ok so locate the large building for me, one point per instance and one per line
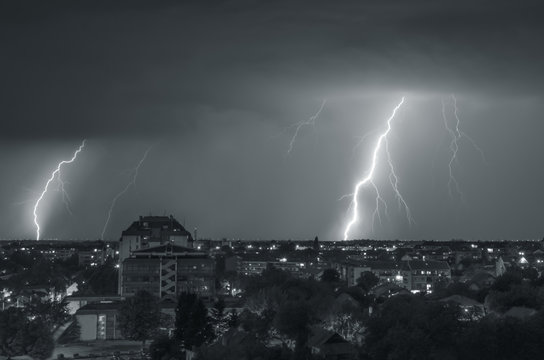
(151, 231)
(156, 255)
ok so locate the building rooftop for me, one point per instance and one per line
(425, 265)
(169, 249)
(155, 226)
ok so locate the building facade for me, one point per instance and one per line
(419, 275)
(168, 270)
(156, 255)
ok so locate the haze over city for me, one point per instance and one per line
(214, 91)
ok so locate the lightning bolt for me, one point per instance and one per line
(310, 122)
(454, 148)
(461, 133)
(394, 181)
(132, 182)
(55, 173)
(65, 197)
(368, 179)
(456, 135)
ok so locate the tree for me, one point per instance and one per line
(39, 340)
(259, 325)
(12, 323)
(140, 317)
(530, 273)
(408, 327)
(71, 334)
(233, 320)
(518, 295)
(330, 276)
(293, 320)
(99, 280)
(193, 325)
(21, 336)
(506, 280)
(367, 281)
(346, 318)
(53, 313)
(163, 348)
(219, 318)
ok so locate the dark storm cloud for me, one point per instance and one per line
(214, 84)
(90, 68)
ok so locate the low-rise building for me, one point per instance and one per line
(99, 321)
(419, 275)
(351, 270)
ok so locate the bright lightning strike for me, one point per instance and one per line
(368, 179)
(456, 135)
(300, 124)
(132, 182)
(55, 173)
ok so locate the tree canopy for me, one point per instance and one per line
(193, 325)
(140, 316)
(21, 336)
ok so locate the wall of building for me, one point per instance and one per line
(88, 325)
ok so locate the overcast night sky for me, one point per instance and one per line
(215, 87)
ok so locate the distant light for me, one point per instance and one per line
(283, 259)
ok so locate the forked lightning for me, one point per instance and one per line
(456, 135)
(300, 124)
(368, 179)
(132, 182)
(55, 173)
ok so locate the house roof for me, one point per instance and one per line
(520, 312)
(481, 277)
(93, 308)
(151, 224)
(425, 265)
(321, 336)
(388, 289)
(461, 300)
(330, 343)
